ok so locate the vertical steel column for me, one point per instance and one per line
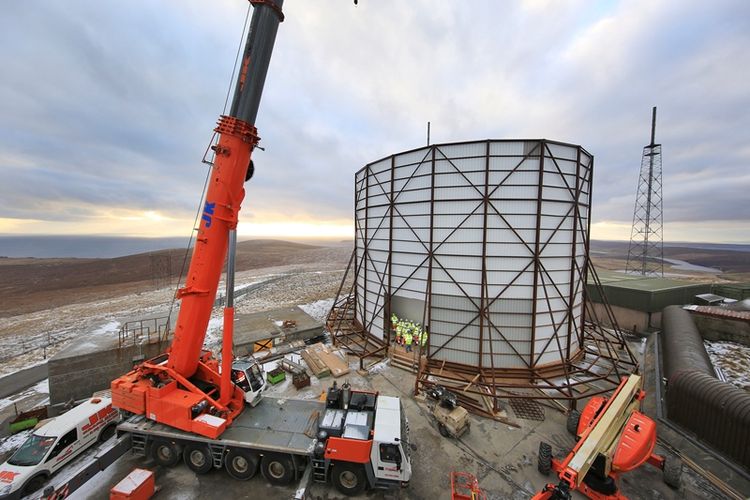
(542, 153)
(573, 256)
(427, 314)
(366, 245)
(483, 306)
(585, 277)
(388, 310)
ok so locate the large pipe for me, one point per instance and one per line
(717, 412)
(682, 344)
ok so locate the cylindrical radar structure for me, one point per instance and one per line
(483, 243)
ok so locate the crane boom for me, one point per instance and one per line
(184, 387)
(237, 138)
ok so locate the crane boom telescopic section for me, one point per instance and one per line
(237, 138)
(184, 387)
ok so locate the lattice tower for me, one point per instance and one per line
(646, 250)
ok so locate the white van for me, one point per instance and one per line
(56, 443)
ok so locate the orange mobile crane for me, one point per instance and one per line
(184, 388)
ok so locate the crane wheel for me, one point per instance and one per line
(241, 464)
(574, 417)
(544, 460)
(165, 453)
(198, 458)
(278, 469)
(348, 478)
(672, 471)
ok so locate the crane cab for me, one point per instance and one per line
(248, 376)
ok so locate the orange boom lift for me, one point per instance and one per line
(184, 387)
(613, 437)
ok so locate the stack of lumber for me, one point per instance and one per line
(323, 362)
(290, 366)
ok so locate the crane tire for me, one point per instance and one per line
(544, 460)
(348, 478)
(198, 458)
(165, 453)
(241, 464)
(277, 468)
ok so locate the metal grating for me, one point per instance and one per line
(527, 409)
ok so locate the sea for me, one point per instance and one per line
(83, 246)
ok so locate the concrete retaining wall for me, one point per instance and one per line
(20, 380)
(77, 377)
(713, 328)
(629, 319)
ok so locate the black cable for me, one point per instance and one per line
(208, 172)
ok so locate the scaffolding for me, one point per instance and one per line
(487, 243)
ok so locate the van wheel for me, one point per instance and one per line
(165, 453)
(107, 433)
(348, 478)
(443, 430)
(241, 464)
(198, 458)
(34, 484)
(277, 469)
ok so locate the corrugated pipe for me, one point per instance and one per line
(682, 344)
(718, 413)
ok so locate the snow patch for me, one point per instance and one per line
(40, 388)
(109, 327)
(319, 309)
(733, 359)
(10, 443)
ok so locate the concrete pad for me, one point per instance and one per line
(252, 328)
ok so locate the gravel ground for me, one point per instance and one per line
(28, 339)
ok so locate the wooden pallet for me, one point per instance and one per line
(335, 364)
(315, 364)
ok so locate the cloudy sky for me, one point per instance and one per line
(107, 107)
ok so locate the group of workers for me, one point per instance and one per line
(408, 333)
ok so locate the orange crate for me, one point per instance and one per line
(138, 485)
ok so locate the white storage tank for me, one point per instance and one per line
(484, 242)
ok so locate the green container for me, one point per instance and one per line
(276, 376)
(22, 425)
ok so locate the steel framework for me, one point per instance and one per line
(491, 238)
(646, 250)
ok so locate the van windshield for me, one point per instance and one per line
(32, 451)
